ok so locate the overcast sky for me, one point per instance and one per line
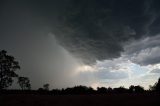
(83, 42)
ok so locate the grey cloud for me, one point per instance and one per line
(107, 74)
(89, 29)
(113, 69)
(96, 30)
(144, 51)
(155, 71)
(136, 46)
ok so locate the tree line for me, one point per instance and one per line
(80, 89)
(9, 66)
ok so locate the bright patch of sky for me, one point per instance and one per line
(121, 72)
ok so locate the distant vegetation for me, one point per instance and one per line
(8, 67)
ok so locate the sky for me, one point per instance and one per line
(108, 43)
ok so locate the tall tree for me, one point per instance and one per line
(24, 83)
(8, 66)
(157, 86)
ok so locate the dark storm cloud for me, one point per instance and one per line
(144, 51)
(90, 29)
(96, 29)
(100, 27)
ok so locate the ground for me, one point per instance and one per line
(80, 100)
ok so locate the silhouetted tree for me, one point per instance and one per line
(152, 88)
(121, 89)
(46, 87)
(101, 89)
(57, 91)
(78, 90)
(91, 90)
(157, 87)
(82, 89)
(24, 83)
(136, 89)
(109, 90)
(139, 89)
(132, 89)
(8, 66)
(40, 89)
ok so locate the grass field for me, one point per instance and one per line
(80, 100)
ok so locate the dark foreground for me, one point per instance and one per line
(80, 100)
